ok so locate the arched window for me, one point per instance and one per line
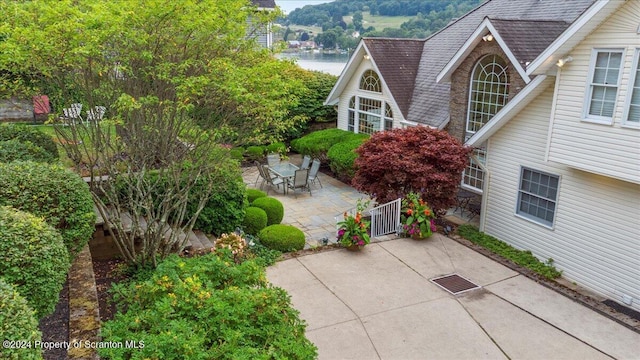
(370, 81)
(489, 91)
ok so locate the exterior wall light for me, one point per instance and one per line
(487, 37)
(563, 61)
(367, 57)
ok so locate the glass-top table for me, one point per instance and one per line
(285, 171)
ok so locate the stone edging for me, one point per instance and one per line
(84, 310)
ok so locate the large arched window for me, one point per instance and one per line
(370, 81)
(489, 91)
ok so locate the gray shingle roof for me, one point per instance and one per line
(430, 100)
(528, 38)
(397, 60)
(271, 4)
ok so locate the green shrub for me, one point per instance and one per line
(282, 237)
(341, 158)
(255, 219)
(237, 154)
(520, 257)
(34, 258)
(318, 143)
(253, 194)
(33, 135)
(17, 323)
(14, 149)
(277, 148)
(206, 307)
(254, 153)
(273, 207)
(58, 195)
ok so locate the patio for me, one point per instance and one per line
(315, 214)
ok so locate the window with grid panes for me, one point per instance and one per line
(537, 196)
(351, 125)
(604, 83)
(370, 81)
(489, 91)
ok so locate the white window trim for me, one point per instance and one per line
(482, 167)
(382, 115)
(586, 117)
(627, 103)
(532, 219)
(469, 97)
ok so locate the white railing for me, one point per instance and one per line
(385, 218)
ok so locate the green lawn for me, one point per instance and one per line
(381, 22)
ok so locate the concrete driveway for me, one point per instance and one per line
(380, 304)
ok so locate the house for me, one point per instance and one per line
(548, 92)
(263, 34)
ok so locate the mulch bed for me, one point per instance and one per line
(107, 272)
(55, 327)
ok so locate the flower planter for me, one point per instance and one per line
(355, 247)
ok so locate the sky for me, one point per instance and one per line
(289, 5)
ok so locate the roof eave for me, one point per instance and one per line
(347, 73)
(485, 28)
(509, 111)
(574, 34)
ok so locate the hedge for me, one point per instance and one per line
(318, 143)
(34, 258)
(25, 133)
(206, 307)
(273, 207)
(53, 192)
(14, 149)
(17, 323)
(282, 237)
(341, 159)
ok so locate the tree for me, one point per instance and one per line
(304, 36)
(357, 20)
(418, 159)
(160, 68)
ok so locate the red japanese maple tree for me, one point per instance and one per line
(419, 159)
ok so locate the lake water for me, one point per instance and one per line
(329, 63)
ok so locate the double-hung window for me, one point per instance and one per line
(632, 115)
(604, 82)
(537, 196)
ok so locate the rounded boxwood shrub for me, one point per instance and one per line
(237, 154)
(34, 258)
(25, 133)
(14, 149)
(341, 159)
(253, 194)
(282, 237)
(17, 322)
(273, 207)
(255, 219)
(254, 153)
(58, 195)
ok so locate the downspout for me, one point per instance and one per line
(485, 186)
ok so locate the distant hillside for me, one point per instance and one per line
(428, 16)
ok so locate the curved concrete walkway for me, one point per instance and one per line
(380, 304)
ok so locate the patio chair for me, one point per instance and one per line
(273, 159)
(271, 181)
(313, 173)
(73, 113)
(300, 181)
(260, 175)
(96, 114)
(306, 162)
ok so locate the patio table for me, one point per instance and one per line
(285, 171)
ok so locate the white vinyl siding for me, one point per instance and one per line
(632, 115)
(611, 150)
(596, 232)
(604, 75)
